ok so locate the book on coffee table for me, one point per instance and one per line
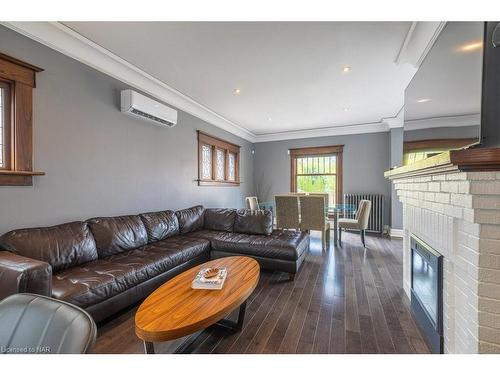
(212, 283)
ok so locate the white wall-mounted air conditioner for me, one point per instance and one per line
(140, 106)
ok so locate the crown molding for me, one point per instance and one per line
(419, 40)
(396, 121)
(374, 127)
(65, 40)
(443, 122)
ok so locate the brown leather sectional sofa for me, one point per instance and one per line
(105, 264)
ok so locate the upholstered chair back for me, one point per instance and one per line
(363, 213)
(252, 203)
(312, 212)
(326, 196)
(287, 211)
(44, 325)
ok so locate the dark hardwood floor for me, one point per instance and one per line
(344, 300)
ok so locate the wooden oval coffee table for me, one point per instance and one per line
(176, 310)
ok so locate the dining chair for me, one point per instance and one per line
(326, 196)
(252, 203)
(287, 212)
(360, 221)
(35, 324)
(313, 216)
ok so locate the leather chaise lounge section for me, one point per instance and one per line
(106, 264)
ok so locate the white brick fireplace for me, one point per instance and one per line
(458, 214)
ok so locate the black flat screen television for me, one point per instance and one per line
(443, 100)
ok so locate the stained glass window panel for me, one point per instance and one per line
(232, 167)
(220, 164)
(206, 162)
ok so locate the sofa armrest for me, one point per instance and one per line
(19, 274)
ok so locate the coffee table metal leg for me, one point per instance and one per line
(236, 326)
(149, 347)
(182, 348)
(226, 323)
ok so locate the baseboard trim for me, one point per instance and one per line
(396, 232)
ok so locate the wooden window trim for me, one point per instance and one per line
(7, 121)
(21, 78)
(218, 144)
(336, 150)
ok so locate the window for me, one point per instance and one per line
(17, 80)
(206, 162)
(220, 164)
(218, 161)
(317, 170)
(5, 124)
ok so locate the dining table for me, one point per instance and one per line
(333, 212)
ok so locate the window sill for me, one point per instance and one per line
(18, 178)
(217, 183)
(21, 173)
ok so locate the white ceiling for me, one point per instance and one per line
(449, 77)
(288, 72)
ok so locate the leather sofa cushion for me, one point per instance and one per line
(206, 234)
(221, 219)
(160, 225)
(62, 246)
(114, 235)
(97, 281)
(190, 219)
(285, 245)
(253, 222)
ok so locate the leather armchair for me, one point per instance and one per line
(20, 274)
(32, 324)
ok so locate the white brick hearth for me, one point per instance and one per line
(458, 214)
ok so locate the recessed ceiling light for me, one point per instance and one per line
(346, 69)
(345, 109)
(470, 47)
(237, 92)
(269, 119)
(423, 100)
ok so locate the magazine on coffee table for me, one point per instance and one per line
(213, 283)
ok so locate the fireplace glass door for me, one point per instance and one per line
(425, 284)
(427, 291)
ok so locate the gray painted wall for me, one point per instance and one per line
(366, 157)
(99, 161)
(396, 135)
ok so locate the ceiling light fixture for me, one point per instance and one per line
(471, 47)
(423, 100)
(269, 119)
(346, 69)
(237, 92)
(345, 109)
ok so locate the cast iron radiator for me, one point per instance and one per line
(376, 222)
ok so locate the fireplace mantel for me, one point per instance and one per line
(480, 159)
